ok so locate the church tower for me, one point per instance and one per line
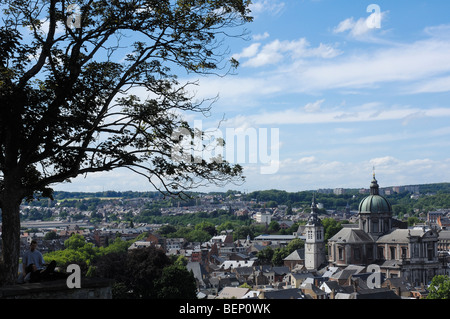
(375, 212)
(314, 245)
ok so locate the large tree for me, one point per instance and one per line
(68, 71)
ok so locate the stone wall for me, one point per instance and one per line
(91, 288)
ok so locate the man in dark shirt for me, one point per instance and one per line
(33, 264)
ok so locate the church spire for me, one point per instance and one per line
(313, 219)
(313, 205)
(374, 188)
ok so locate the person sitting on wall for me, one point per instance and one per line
(33, 265)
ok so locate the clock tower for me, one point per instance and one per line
(315, 243)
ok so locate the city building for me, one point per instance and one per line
(379, 239)
(263, 218)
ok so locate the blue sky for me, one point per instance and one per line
(343, 94)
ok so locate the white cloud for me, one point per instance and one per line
(310, 173)
(278, 51)
(355, 28)
(272, 7)
(360, 27)
(344, 25)
(422, 66)
(309, 115)
(313, 107)
(384, 161)
(248, 52)
(307, 160)
(414, 116)
(45, 27)
(401, 64)
(435, 85)
(439, 31)
(259, 37)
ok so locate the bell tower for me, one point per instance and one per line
(315, 243)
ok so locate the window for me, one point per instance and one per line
(375, 226)
(341, 253)
(430, 251)
(415, 252)
(392, 252)
(319, 235)
(380, 253)
(370, 252)
(404, 252)
(357, 253)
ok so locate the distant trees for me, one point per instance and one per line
(438, 197)
(301, 199)
(412, 221)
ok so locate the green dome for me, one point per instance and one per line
(375, 204)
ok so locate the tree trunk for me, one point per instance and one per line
(10, 204)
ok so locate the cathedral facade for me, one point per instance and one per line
(379, 239)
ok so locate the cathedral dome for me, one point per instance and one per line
(375, 203)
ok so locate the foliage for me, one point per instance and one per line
(303, 198)
(243, 232)
(146, 273)
(275, 257)
(439, 287)
(176, 282)
(265, 255)
(197, 235)
(273, 227)
(78, 251)
(331, 227)
(433, 197)
(207, 227)
(51, 235)
(412, 221)
(245, 285)
(281, 253)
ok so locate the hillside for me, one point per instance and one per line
(429, 197)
